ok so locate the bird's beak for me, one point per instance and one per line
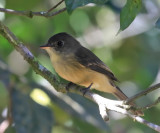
(44, 46)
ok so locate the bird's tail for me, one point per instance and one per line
(120, 95)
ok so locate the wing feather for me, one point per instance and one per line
(86, 58)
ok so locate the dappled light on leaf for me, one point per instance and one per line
(40, 97)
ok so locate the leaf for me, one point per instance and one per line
(158, 24)
(90, 109)
(10, 129)
(28, 116)
(73, 4)
(129, 12)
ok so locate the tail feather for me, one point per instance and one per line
(120, 95)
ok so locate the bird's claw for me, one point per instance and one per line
(68, 86)
(85, 90)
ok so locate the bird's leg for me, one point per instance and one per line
(84, 90)
(69, 85)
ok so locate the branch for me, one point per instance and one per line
(119, 107)
(54, 7)
(145, 92)
(149, 105)
(30, 14)
(103, 103)
(28, 56)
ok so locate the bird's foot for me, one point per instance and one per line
(85, 90)
(69, 85)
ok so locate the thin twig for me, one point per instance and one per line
(55, 6)
(57, 12)
(145, 92)
(143, 121)
(103, 103)
(149, 105)
(30, 14)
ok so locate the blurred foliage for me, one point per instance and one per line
(127, 15)
(158, 23)
(28, 116)
(73, 4)
(133, 55)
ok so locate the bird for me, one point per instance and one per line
(77, 64)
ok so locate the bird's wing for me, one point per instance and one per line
(90, 60)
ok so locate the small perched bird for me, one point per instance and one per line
(79, 65)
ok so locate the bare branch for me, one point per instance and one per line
(143, 121)
(28, 56)
(55, 6)
(103, 103)
(149, 105)
(145, 92)
(30, 14)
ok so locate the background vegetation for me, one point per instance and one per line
(133, 55)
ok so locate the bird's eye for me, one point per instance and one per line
(60, 43)
(52, 44)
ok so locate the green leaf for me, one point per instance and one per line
(73, 4)
(129, 12)
(28, 116)
(10, 129)
(89, 109)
